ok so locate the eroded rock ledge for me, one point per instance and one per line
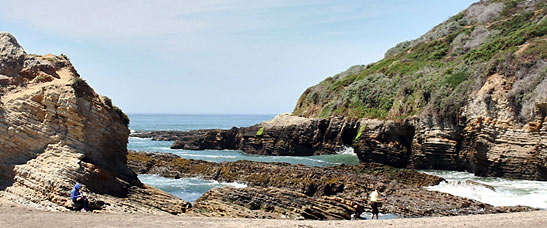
(281, 190)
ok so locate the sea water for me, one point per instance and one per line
(190, 189)
(507, 192)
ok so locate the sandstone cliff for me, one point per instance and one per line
(56, 131)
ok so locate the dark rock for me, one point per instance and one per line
(470, 182)
(402, 188)
(270, 203)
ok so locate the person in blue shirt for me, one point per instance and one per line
(78, 198)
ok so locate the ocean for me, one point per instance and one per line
(507, 192)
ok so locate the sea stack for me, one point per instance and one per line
(55, 131)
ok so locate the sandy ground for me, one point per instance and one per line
(17, 216)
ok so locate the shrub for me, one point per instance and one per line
(122, 115)
(64, 56)
(455, 79)
(107, 101)
(39, 78)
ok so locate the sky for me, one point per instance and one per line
(216, 56)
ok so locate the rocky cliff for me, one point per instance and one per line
(471, 94)
(56, 131)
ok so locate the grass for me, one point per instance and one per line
(260, 132)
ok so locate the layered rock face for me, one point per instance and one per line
(284, 135)
(56, 131)
(280, 190)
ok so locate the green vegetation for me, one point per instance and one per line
(64, 56)
(122, 115)
(39, 78)
(454, 80)
(361, 129)
(537, 50)
(436, 73)
(260, 132)
(107, 101)
(79, 82)
(514, 32)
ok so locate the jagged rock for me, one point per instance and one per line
(273, 203)
(348, 184)
(56, 131)
(480, 184)
(282, 136)
(12, 55)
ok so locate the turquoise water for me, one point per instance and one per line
(190, 189)
(140, 144)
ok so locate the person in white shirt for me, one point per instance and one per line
(374, 198)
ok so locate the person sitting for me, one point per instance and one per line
(78, 198)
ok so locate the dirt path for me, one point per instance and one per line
(63, 73)
(16, 216)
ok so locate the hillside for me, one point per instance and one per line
(489, 60)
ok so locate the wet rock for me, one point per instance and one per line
(402, 188)
(470, 182)
(270, 203)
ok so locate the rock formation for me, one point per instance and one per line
(56, 131)
(471, 94)
(281, 190)
(284, 135)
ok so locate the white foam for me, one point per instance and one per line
(507, 192)
(206, 156)
(346, 150)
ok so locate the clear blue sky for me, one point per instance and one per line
(216, 56)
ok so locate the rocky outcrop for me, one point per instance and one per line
(275, 189)
(273, 203)
(56, 131)
(284, 135)
(482, 146)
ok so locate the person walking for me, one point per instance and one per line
(374, 198)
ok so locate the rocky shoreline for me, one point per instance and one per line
(484, 147)
(281, 190)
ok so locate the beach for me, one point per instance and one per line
(17, 216)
